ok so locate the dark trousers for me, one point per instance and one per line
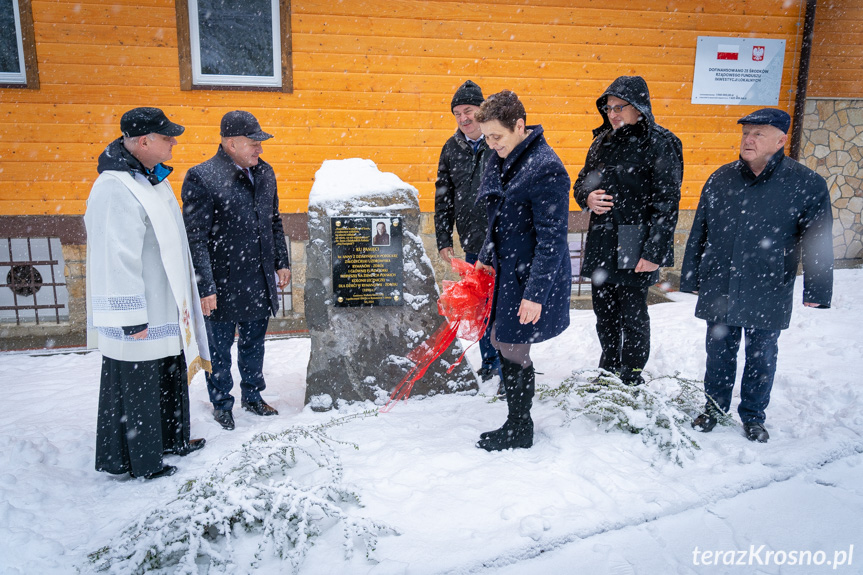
(761, 350)
(143, 411)
(250, 360)
(623, 327)
(490, 358)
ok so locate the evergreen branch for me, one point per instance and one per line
(660, 411)
(250, 490)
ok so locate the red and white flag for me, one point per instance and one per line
(727, 52)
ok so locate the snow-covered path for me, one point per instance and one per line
(581, 500)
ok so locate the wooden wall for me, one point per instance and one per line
(836, 64)
(374, 79)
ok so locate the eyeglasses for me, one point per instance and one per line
(617, 109)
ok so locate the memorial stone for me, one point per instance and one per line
(367, 303)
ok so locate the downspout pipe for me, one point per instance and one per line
(803, 78)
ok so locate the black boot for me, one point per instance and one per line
(517, 431)
(507, 389)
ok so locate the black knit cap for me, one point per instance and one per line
(468, 93)
(142, 121)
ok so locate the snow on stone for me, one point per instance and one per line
(338, 182)
(416, 301)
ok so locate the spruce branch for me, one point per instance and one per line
(660, 411)
(283, 488)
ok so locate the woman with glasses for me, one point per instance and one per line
(527, 189)
(631, 185)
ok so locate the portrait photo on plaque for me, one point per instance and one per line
(382, 232)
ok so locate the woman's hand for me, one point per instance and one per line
(529, 311)
(483, 268)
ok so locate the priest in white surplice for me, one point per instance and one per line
(143, 309)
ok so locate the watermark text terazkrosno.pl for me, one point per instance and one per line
(762, 555)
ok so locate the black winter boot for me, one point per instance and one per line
(517, 431)
(508, 383)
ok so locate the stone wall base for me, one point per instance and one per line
(832, 145)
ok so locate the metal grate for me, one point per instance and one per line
(32, 283)
(580, 285)
(286, 300)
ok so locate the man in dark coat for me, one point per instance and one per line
(631, 184)
(231, 210)
(754, 218)
(462, 161)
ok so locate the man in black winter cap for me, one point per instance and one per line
(631, 185)
(462, 162)
(754, 219)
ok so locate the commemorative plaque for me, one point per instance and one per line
(367, 261)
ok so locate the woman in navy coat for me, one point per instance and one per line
(527, 190)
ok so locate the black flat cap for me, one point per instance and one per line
(142, 121)
(240, 123)
(768, 117)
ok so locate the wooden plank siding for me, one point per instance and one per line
(836, 64)
(372, 79)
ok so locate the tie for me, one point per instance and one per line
(248, 174)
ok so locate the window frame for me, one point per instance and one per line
(29, 75)
(189, 78)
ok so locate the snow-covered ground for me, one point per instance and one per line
(580, 501)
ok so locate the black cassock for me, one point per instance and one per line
(143, 412)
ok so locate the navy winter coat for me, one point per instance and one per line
(528, 213)
(746, 242)
(235, 235)
(641, 167)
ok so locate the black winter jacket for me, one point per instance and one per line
(747, 239)
(458, 177)
(641, 167)
(235, 235)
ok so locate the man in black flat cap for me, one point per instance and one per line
(231, 209)
(755, 218)
(143, 309)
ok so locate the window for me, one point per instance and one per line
(32, 284)
(234, 44)
(17, 50)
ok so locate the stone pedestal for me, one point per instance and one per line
(359, 353)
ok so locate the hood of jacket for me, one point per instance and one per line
(634, 90)
(117, 158)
